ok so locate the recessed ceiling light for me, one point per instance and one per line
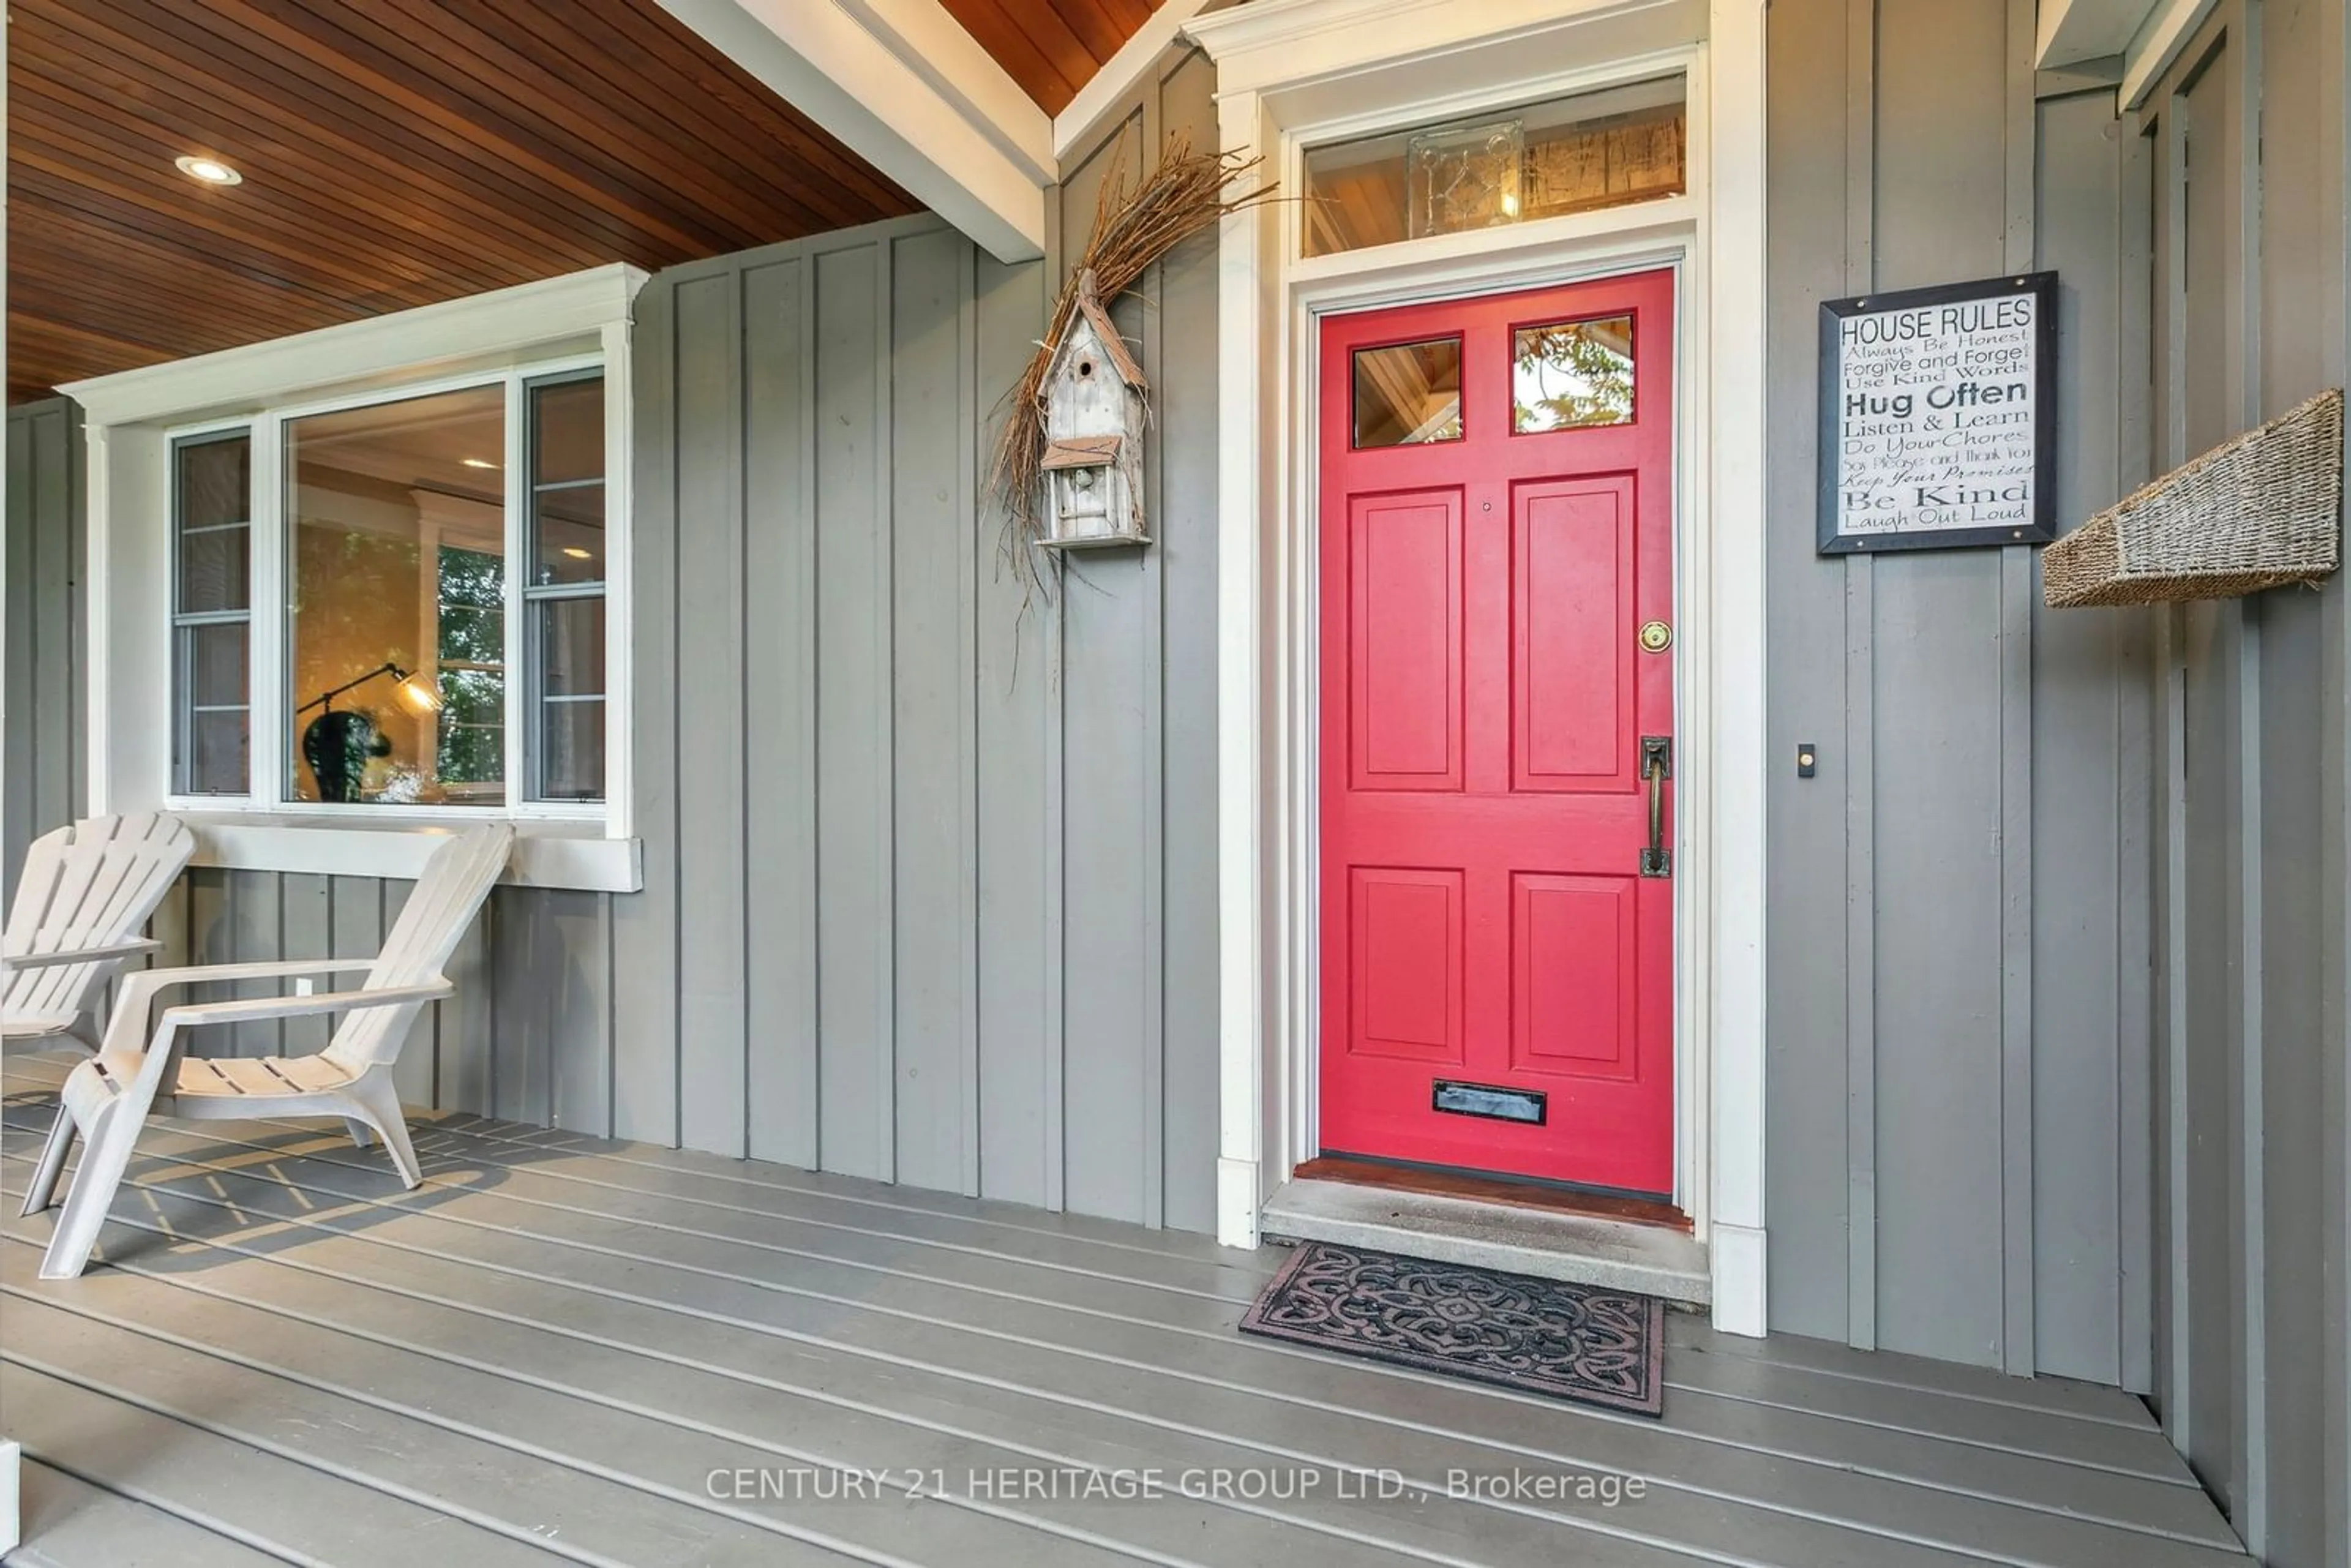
(576, 553)
(478, 463)
(211, 170)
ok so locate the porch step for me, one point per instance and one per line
(1610, 1253)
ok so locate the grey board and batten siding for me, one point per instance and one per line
(929, 865)
(41, 619)
(1957, 976)
(928, 860)
(2238, 162)
(528, 1035)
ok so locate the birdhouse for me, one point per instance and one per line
(1092, 468)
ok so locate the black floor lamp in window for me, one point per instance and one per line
(339, 745)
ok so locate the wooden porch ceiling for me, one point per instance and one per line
(393, 154)
(1051, 47)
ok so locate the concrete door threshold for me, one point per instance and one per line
(1610, 1253)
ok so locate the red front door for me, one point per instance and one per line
(1497, 534)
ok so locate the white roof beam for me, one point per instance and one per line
(1110, 85)
(2170, 27)
(904, 87)
(2072, 31)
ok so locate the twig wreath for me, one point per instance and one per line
(1137, 225)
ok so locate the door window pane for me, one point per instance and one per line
(1571, 374)
(396, 550)
(1408, 393)
(1543, 161)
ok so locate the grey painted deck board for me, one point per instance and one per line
(78, 1525)
(261, 1491)
(654, 1313)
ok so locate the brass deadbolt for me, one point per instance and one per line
(1655, 636)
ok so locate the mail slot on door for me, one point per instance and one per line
(1485, 1100)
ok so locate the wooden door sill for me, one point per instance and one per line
(1494, 1189)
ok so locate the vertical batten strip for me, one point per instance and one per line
(2016, 610)
(779, 544)
(885, 634)
(809, 554)
(2251, 1515)
(1054, 1125)
(2335, 840)
(748, 871)
(970, 415)
(2135, 848)
(1861, 736)
(1153, 733)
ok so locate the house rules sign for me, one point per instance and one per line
(1936, 411)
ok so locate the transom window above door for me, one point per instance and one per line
(1547, 159)
(404, 592)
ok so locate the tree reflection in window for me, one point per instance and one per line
(472, 668)
(1569, 375)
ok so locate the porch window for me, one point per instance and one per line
(1516, 165)
(566, 592)
(212, 614)
(434, 564)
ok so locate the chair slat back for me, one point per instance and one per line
(90, 884)
(455, 880)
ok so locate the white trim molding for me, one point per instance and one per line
(546, 855)
(1108, 89)
(2168, 27)
(1734, 571)
(2072, 31)
(481, 332)
(1291, 72)
(904, 87)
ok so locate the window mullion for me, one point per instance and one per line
(520, 678)
(268, 681)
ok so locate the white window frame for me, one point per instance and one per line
(273, 698)
(133, 422)
(196, 435)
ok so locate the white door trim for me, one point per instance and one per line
(1280, 62)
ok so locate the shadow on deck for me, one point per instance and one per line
(562, 1348)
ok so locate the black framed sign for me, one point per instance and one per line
(1938, 416)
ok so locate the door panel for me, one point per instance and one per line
(1571, 670)
(1405, 658)
(1404, 949)
(1486, 567)
(1573, 977)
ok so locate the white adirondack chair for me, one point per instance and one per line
(106, 1101)
(81, 908)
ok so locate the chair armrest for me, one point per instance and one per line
(127, 1025)
(102, 953)
(253, 1009)
(153, 980)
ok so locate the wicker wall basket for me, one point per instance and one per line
(2256, 512)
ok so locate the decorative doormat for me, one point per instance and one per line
(1539, 1336)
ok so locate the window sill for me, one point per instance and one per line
(574, 855)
